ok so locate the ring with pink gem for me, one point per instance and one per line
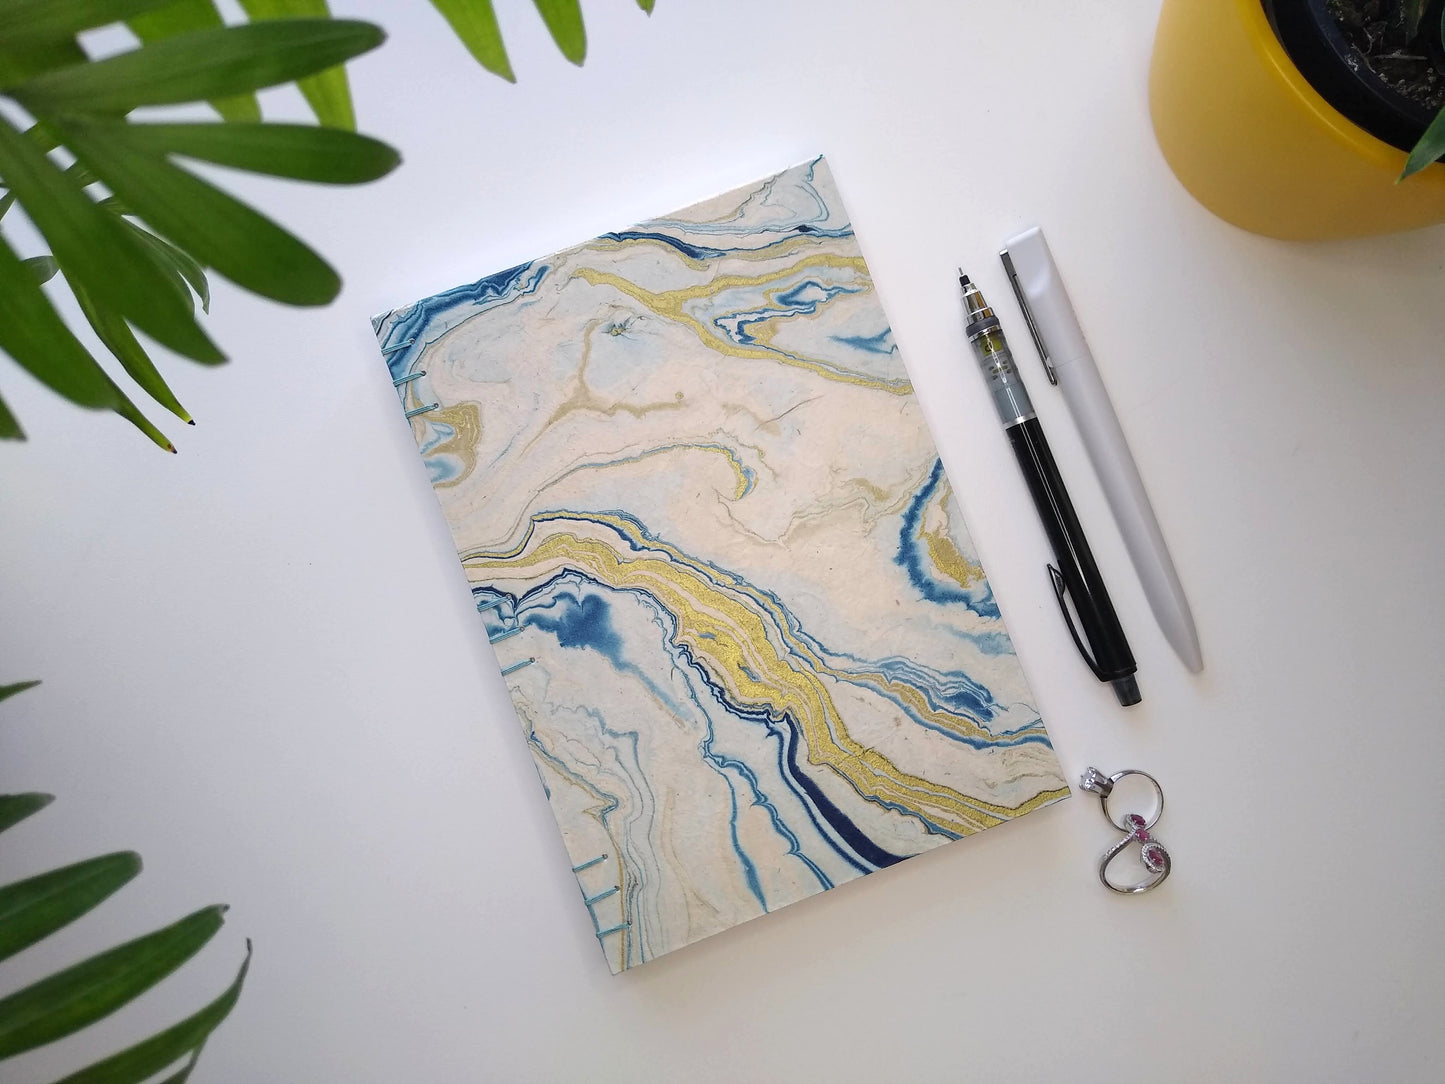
(1136, 828)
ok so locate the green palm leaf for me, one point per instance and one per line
(182, 268)
(74, 998)
(205, 64)
(90, 245)
(33, 909)
(9, 425)
(69, 1000)
(183, 16)
(1432, 143)
(131, 413)
(32, 333)
(564, 23)
(42, 267)
(145, 1059)
(475, 23)
(123, 274)
(216, 229)
(14, 808)
(115, 333)
(327, 92)
(20, 59)
(6, 692)
(298, 151)
(48, 19)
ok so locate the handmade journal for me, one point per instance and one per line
(725, 576)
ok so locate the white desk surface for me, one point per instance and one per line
(235, 685)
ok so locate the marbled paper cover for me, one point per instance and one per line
(724, 573)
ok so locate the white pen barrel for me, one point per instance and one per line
(1103, 439)
(1041, 291)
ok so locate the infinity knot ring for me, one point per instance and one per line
(1136, 828)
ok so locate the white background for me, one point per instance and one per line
(263, 671)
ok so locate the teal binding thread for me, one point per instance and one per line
(516, 666)
(399, 381)
(422, 410)
(589, 863)
(590, 900)
(399, 346)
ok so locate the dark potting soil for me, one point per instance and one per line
(1377, 30)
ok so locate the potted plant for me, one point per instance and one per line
(1296, 118)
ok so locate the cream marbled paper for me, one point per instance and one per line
(709, 535)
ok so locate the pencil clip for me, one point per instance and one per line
(1059, 589)
(1013, 280)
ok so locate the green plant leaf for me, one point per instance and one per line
(185, 1074)
(7, 691)
(33, 909)
(118, 338)
(71, 999)
(80, 174)
(183, 16)
(564, 23)
(205, 64)
(26, 19)
(327, 92)
(178, 261)
(33, 334)
(475, 23)
(646, 5)
(238, 107)
(19, 60)
(1430, 147)
(43, 136)
(145, 1059)
(131, 413)
(216, 229)
(298, 151)
(14, 808)
(89, 243)
(42, 267)
(1413, 12)
(9, 426)
(160, 255)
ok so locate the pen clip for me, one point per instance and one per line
(1058, 578)
(1013, 280)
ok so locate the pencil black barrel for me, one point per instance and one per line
(1098, 622)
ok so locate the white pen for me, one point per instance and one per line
(1060, 341)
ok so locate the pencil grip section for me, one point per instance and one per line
(995, 359)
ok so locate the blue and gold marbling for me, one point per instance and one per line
(689, 481)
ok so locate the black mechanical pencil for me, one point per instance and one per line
(1077, 575)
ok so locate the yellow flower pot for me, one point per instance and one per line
(1256, 144)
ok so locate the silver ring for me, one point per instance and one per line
(1152, 855)
(1158, 797)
